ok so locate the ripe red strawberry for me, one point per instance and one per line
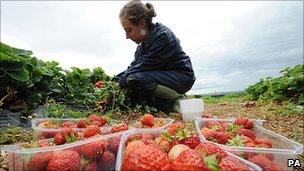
(64, 160)
(264, 163)
(218, 137)
(59, 139)
(99, 84)
(245, 122)
(92, 166)
(189, 160)
(162, 144)
(206, 149)
(247, 133)
(66, 124)
(145, 158)
(232, 164)
(107, 160)
(176, 150)
(147, 120)
(261, 142)
(48, 134)
(131, 146)
(173, 143)
(102, 121)
(93, 150)
(174, 127)
(39, 161)
(205, 131)
(133, 137)
(146, 136)
(119, 128)
(192, 141)
(241, 141)
(114, 143)
(91, 130)
(216, 125)
(43, 143)
(82, 124)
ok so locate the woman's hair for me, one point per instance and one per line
(135, 11)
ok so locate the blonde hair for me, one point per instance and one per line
(134, 10)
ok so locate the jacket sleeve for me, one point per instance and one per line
(156, 57)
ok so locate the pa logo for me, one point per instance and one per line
(294, 163)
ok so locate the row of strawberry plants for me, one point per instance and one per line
(28, 81)
(287, 87)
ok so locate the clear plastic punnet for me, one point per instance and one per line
(282, 148)
(96, 153)
(45, 133)
(155, 133)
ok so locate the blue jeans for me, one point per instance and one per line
(143, 84)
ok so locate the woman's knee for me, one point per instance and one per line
(139, 81)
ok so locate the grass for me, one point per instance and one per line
(231, 97)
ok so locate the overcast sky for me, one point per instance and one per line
(232, 44)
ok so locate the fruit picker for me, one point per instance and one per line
(161, 72)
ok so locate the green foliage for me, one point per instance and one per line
(57, 110)
(98, 74)
(12, 135)
(230, 97)
(27, 81)
(288, 87)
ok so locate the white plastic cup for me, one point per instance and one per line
(191, 108)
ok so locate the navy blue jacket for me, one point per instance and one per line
(162, 51)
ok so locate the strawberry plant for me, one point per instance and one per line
(288, 87)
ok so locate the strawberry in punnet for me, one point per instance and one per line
(64, 160)
(95, 118)
(192, 141)
(39, 161)
(218, 137)
(43, 143)
(82, 124)
(176, 150)
(241, 141)
(262, 142)
(216, 125)
(93, 150)
(145, 158)
(205, 131)
(247, 133)
(66, 124)
(91, 130)
(174, 127)
(147, 136)
(264, 163)
(188, 160)
(131, 146)
(114, 143)
(162, 144)
(232, 164)
(92, 166)
(173, 143)
(107, 160)
(245, 122)
(119, 127)
(47, 124)
(147, 120)
(133, 137)
(59, 139)
(206, 149)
